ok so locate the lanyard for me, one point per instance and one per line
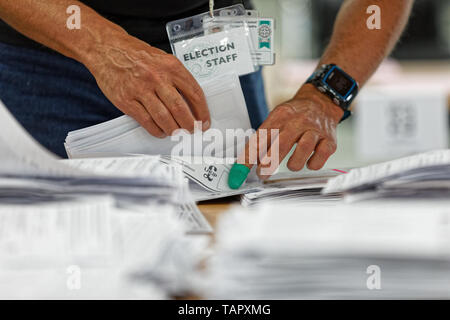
(211, 8)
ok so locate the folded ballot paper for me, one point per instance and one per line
(423, 175)
(124, 135)
(30, 174)
(208, 179)
(291, 188)
(366, 250)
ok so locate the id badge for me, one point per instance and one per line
(261, 33)
(262, 36)
(216, 54)
(208, 49)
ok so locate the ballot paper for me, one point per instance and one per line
(426, 174)
(20, 153)
(22, 156)
(288, 187)
(373, 250)
(208, 177)
(136, 197)
(162, 183)
(124, 135)
(91, 228)
(29, 174)
(90, 249)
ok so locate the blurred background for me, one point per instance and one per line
(404, 108)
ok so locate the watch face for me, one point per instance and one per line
(339, 82)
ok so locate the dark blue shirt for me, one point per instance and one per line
(144, 19)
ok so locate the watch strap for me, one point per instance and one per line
(316, 80)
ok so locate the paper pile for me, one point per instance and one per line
(124, 135)
(208, 177)
(30, 174)
(88, 228)
(284, 187)
(89, 249)
(425, 175)
(205, 157)
(149, 167)
(364, 251)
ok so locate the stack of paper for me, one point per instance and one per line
(365, 250)
(207, 171)
(90, 249)
(124, 135)
(208, 177)
(30, 174)
(29, 168)
(205, 157)
(425, 175)
(306, 188)
(92, 228)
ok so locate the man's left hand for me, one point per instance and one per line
(308, 120)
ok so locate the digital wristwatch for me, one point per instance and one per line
(337, 85)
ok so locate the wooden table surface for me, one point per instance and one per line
(212, 211)
(214, 208)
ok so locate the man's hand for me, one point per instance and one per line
(149, 85)
(146, 83)
(308, 120)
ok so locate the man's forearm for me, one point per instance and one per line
(143, 82)
(309, 120)
(45, 22)
(359, 50)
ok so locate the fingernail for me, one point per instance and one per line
(238, 174)
(206, 125)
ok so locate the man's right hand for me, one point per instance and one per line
(149, 85)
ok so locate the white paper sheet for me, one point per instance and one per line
(107, 246)
(136, 167)
(123, 135)
(62, 230)
(373, 174)
(194, 218)
(209, 177)
(141, 166)
(309, 252)
(20, 153)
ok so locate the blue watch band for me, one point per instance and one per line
(347, 114)
(332, 81)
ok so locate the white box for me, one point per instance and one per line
(394, 121)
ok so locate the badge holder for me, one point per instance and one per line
(262, 37)
(187, 28)
(212, 46)
(261, 33)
